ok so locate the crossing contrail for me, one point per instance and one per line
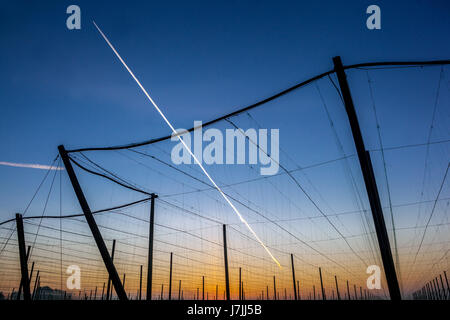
(187, 148)
(29, 165)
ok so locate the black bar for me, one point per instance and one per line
(293, 277)
(370, 182)
(93, 225)
(23, 258)
(150, 247)
(170, 277)
(321, 285)
(108, 290)
(225, 255)
(337, 288)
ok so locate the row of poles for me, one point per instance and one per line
(369, 181)
(432, 291)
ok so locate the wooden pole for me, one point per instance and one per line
(93, 225)
(225, 255)
(109, 290)
(150, 246)
(293, 277)
(321, 285)
(23, 258)
(370, 183)
(170, 277)
(337, 288)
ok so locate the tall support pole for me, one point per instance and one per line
(267, 292)
(321, 285)
(179, 290)
(225, 255)
(356, 295)
(150, 247)
(35, 285)
(20, 286)
(443, 288)
(240, 284)
(140, 284)
(314, 292)
(170, 277)
(348, 292)
(108, 290)
(298, 291)
(370, 182)
(203, 287)
(438, 288)
(293, 277)
(93, 225)
(103, 291)
(337, 289)
(274, 289)
(23, 258)
(446, 280)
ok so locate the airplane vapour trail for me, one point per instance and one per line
(187, 148)
(29, 165)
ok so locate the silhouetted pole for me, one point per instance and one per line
(446, 280)
(298, 290)
(23, 258)
(314, 292)
(267, 292)
(140, 284)
(360, 294)
(20, 286)
(179, 290)
(103, 291)
(123, 282)
(337, 288)
(203, 287)
(225, 255)
(274, 289)
(93, 225)
(162, 291)
(35, 284)
(170, 277)
(348, 292)
(293, 277)
(95, 293)
(240, 284)
(217, 291)
(436, 289)
(150, 247)
(356, 295)
(321, 285)
(109, 290)
(370, 183)
(444, 294)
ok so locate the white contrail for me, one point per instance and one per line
(29, 165)
(187, 148)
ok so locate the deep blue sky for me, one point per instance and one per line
(198, 59)
(203, 59)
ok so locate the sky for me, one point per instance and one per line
(200, 60)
